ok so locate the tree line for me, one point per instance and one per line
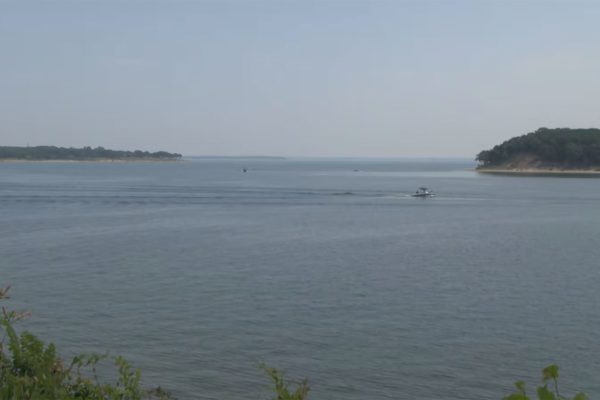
(82, 154)
(576, 148)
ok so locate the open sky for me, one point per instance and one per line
(296, 78)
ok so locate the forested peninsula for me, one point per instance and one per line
(560, 150)
(52, 153)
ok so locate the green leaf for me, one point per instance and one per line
(580, 396)
(520, 385)
(516, 396)
(545, 394)
(550, 372)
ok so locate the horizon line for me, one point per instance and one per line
(330, 157)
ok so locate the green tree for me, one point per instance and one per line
(563, 147)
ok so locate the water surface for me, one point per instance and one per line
(328, 269)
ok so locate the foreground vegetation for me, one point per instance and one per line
(549, 377)
(558, 148)
(41, 153)
(32, 370)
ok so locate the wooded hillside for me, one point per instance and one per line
(560, 147)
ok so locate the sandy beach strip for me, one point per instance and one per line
(540, 172)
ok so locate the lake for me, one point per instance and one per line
(327, 269)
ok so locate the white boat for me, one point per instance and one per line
(423, 192)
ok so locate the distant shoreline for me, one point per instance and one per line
(99, 160)
(258, 158)
(84, 154)
(539, 171)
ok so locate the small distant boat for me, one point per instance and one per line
(423, 192)
(244, 169)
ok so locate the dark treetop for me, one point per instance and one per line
(546, 148)
(84, 154)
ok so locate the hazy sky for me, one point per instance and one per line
(296, 78)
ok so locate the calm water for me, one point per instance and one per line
(197, 272)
